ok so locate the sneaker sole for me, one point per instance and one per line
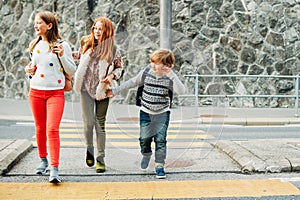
(90, 163)
(161, 177)
(100, 170)
(39, 172)
(55, 180)
(144, 170)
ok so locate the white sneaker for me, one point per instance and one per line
(54, 178)
(42, 168)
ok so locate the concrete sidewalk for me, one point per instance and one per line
(263, 156)
(251, 156)
(11, 151)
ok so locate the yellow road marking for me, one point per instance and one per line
(147, 190)
(68, 130)
(170, 144)
(127, 136)
(131, 144)
(129, 125)
(70, 133)
(204, 136)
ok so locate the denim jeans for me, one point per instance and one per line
(154, 127)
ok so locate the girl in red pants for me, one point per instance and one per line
(51, 57)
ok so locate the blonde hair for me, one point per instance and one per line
(164, 56)
(52, 34)
(103, 47)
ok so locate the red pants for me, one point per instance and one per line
(47, 108)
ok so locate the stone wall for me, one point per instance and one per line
(231, 37)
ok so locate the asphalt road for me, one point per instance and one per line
(207, 165)
(212, 173)
(18, 129)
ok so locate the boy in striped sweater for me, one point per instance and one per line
(158, 80)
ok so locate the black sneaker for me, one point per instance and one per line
(90, 160)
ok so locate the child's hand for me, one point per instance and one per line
(108, 79)
(76, 55)
(161, 69)
(30, 69)
(166, 70)
(109, 93)
(59, 49)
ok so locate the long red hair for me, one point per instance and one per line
(103, 47)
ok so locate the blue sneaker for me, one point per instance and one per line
(160, 173)
(145, 162)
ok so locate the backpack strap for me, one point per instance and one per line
(144, 75)
(139, 92)
(59, 42)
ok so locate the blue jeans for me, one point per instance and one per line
(154, 126)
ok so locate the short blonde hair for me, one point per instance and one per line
(164, 56)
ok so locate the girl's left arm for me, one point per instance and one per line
(67, 59)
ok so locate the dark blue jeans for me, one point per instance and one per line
(154, 127)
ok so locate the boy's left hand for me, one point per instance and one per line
(166, 70)
(161, 69)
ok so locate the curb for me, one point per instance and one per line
(243, 121)
(252, 159)
(250, 121)
(12, 152)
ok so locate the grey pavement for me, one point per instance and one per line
(250, 155)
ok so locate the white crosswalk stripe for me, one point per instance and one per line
(127, 135)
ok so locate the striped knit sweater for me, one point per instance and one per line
(155, 98)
